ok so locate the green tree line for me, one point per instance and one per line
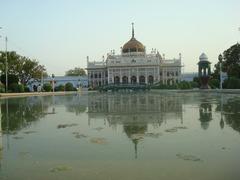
(20, 69)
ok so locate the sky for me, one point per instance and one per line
(60, 34)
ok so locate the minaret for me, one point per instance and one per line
(132, 30)
(135, 148)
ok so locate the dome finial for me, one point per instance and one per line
(132, 30)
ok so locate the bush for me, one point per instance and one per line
(2, 88)
(214, 83)
(47, 87)
(69, 87)
(26, 89)
(231, 83)
(12, 79)
(16, 88)
(164, 86)
(61, 87)
(184, 85)
(194, 84)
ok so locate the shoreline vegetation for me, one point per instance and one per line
(59, 93)
(25, 94)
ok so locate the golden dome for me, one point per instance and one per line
(133, 45)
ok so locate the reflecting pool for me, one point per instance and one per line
(143, 136)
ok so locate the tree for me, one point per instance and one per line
(24, 68)
(230, 64)
(11, 79)
(77, 71)
(47, 87)
(231, 83)
(69, 87)
(30, 69)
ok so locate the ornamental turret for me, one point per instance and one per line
(204, 71)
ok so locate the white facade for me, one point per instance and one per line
(134, 65)
(77, 81)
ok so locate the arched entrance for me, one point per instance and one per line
(124, 79)
(116, 80)
(142, 80)
(150, 79)
(133, 80)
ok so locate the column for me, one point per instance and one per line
(129, 77)
(137, 76)
(120, 74)
(163, 76)
(146, 78)
(108, 76)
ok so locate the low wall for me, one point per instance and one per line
(230, 91)
(6, 95)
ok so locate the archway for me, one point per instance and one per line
(142, 80)
(124, 79)
(116, 80)
(150, 79)
(133, 80)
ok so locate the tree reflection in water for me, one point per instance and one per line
(21, 112)
(76, 104)
(231, 113)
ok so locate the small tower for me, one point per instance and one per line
(204, 71)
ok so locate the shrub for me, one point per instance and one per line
(231, 83)
(196, 80)
(184, 85)
(26, 89)
(164, 86)
(16, 88)
(69, 87)
(2, 88)
(194, 84)
(214, 83)
(61, 87)
(11, 79)
(47, 87)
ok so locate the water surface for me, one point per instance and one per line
(121, 136)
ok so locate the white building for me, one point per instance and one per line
(134, 65)
(77, 81)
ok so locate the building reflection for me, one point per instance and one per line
(134, 112)
(76, 104)
(134, 108)
(205, 114)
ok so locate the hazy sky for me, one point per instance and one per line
(61, 33)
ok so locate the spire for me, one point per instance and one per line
(135, 148)
(132, 30)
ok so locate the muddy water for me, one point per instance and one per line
(121, 136)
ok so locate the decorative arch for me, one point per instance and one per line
(133, 80)
(150, 79)
(116, 80)
(141, 79)
(125, 80)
